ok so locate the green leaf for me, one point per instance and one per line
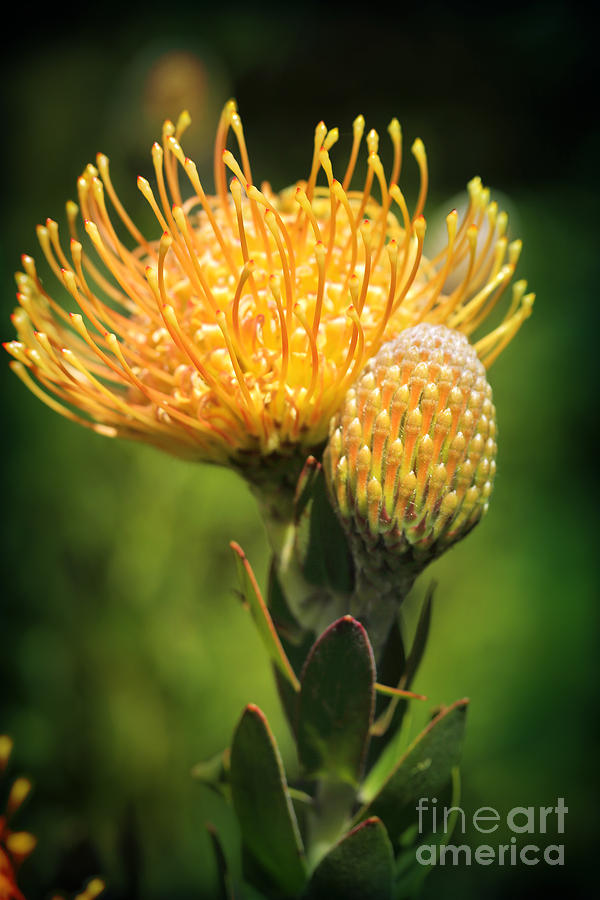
(288, 628)
(337, 699)
(225, 886)
(391, 665)
(305, 486)
(422, 771)
(253, 598)
(391, 718)
(262, 802)
(359, 867)
(420, 640)
(321, 545)
(214, 773)
(410, 874)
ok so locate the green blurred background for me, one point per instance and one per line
(124, 655)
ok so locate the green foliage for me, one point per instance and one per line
(359, 867)
(262, 802)
(422, 771)
(252, 597)
(214, 773)
(321, 544)
(336, 703)
(332, 714)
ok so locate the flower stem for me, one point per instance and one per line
(329, 819)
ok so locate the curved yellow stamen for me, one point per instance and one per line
(230, 336)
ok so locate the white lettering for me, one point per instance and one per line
(561, 810)
(525, 859)
(431, 850)
(528, 812)
(559, 859)
(484, 855)
(454, 852)
(494, 817)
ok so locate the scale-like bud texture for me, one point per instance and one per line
(410, 461)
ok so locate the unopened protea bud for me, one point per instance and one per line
(410, 461)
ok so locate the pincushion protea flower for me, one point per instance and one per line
(411, 457)
(235, 335)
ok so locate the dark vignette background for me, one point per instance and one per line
(124, 656)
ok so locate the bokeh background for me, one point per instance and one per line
(124, 655)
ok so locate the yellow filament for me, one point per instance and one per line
(301, 316)
(204, 347)
(347, 374)
(418, 151)
(320, 254)
(222, 322)
(320, 133)
(235, 308)
(192, 173)
(392, 249)
(358, 128)
(220, 145)
(419, 228)
(395, 133)
(276, 292)
(286, 264)
(306, 206)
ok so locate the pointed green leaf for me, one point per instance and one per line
(224, 883)
(244, 891)
(389, 691)
(420, 640)
(389, 722)
(262, 802)
(305, 486)
(391, 665)
(337, 699)
(262, 619)
(321, 545)
(359, 867)
(422, 771)
(288, 628)
(410, 874)
(214, 773)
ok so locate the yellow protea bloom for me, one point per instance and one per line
(235, 335)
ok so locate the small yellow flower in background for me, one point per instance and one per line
(236, 334)
(15, 846)
(93, 889)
